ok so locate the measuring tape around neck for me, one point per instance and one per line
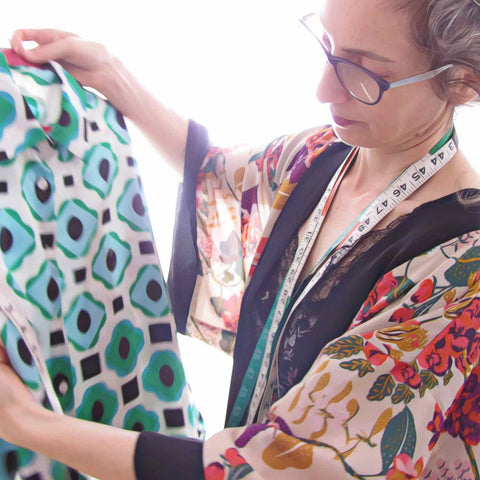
(255, 380)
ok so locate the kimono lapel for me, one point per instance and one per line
(295, 212)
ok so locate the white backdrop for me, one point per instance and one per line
(245, 69)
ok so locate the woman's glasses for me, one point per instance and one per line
(361, 83)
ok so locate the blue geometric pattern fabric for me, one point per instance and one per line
(79, 262)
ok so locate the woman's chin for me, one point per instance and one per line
(352, 134)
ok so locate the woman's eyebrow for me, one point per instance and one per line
(367, 54)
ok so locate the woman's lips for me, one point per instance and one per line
(342, 122)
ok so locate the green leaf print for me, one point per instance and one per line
(383, 387)
(345, 347)
(428, 381)
(402, 394)
(447, 377)
(469, 262)
(363, 366)
(240, 472)
(399, 437)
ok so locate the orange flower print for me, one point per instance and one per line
(402, 315)
(423, 292)
(374, 355)
(404, 469)
(233, 457)
(214, 471)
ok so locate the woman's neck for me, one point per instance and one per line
(377, 167)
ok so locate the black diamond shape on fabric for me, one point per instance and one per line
(174, 417)
(117, 304)
(68, 180)
(80, 275)
(74, 475)
(11, 462)
(3, 156)
(106, 216)
(91, 366)
(130, 391)
(160, 332)
(35, 476)
(146, 248)
(130, 161)
(47, 241)
(3, 187)
(94, 126)
(57, 338)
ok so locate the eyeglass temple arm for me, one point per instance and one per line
(421, 76)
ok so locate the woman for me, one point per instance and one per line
(361, 318)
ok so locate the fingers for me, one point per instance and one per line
(39, 35)
(50, 41)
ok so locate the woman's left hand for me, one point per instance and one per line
(14, 397)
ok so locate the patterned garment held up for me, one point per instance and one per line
(79, 262)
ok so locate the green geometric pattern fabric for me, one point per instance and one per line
(79, 261)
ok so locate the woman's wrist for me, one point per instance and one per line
(94, 449)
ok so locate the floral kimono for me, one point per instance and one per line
(378, 365)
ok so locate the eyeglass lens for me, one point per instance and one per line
(358, 83)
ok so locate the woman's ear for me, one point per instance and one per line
(464, 86)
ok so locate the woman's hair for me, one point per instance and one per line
(449, 32)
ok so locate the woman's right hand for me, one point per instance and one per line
(14, 399)
(94, 66)
(87, 61)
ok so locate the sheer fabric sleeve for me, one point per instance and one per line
(168, 458)
(228, 204)
(396, 397)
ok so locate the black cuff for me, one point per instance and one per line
(184, 262)
(168, 458)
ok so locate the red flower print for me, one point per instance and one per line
(386, 284)
(373, 354)
(463, 417)
(423, 292)
(214, 471)
(404, 469)
(231, 312)
(233, 457)
(401, 315)
(377, 298)
(436, 358)
(403, 372)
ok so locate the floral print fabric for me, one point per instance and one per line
(395, 397)
(240, 194)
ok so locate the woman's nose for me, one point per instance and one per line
(329, 89)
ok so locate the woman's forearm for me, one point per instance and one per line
(94, 66)
(101, 451)
(163, 127)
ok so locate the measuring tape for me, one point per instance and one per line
(255, 381)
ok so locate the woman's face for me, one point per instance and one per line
(372, 34)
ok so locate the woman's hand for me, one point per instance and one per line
(14, 398)
(87, 61)
(92, 65)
